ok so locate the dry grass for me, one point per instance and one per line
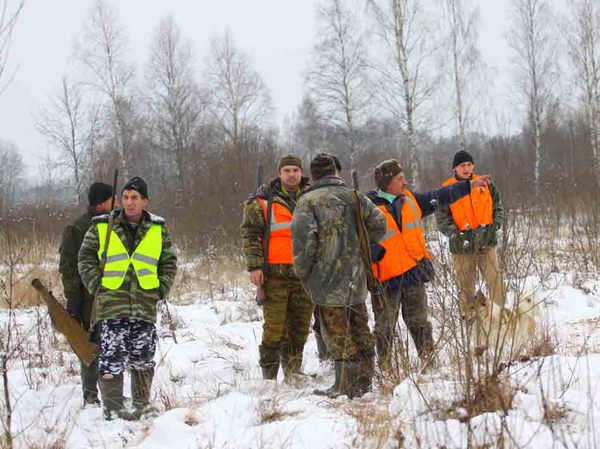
(377, 427)
(490, 394)
(271, 410)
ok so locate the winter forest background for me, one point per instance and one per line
(401, 79)
(386, 78)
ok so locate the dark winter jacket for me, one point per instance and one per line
(79, 301)
(326, 248)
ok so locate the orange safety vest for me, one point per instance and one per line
(403, 250)
(473, 210)
(280, 239)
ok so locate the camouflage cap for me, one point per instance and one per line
(324, 164)
(385, 172)
(289, 159)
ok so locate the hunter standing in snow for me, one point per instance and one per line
(287, 309)
(327, 260)
(139, 271)
(472, 224)
(402, 260)
(79, 301)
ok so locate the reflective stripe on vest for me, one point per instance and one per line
(403, 249)
(280, 239)
(144, 259)
(473, 210)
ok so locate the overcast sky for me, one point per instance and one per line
(278, 34)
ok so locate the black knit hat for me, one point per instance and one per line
(99, 192)
(290, 159)
(385, 172)
(324, 164)
(462, 156)
(138, 184)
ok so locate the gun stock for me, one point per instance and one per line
(64, 323)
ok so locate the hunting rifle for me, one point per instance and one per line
(373, 285)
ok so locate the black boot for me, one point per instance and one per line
(350, 379)
(269, 361)
(111, 388)
(364, 382)
(141, 389)
(334, 390)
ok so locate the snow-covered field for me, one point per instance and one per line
(211, 394)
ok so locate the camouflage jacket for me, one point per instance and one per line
(129, 300)
(325, 242)
(474, 240)
(253, 225)
(79, 301)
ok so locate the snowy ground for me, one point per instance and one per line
(211, 394)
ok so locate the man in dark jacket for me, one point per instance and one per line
(327, 260)
(402, 260)
(79, 300)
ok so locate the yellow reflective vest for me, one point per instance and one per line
(144, 259)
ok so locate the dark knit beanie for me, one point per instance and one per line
(324, 164)
(138, 184)
(290, 159)
(385, 172)
(462, 156)
(99, 193)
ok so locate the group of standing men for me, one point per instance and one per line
(301, 246)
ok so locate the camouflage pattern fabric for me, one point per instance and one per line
(126, 341)
(474, 240)
(346, 332)
(325, 242)
(129, 300)
(413, 303)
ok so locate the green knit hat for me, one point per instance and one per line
(290, 159)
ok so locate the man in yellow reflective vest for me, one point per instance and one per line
(402, 260)
(139, 271)
(288, 309)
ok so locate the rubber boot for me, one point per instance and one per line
(350, 379)
(293, 372)
(111, 389)
(269, 361)
(364, 382)
(141, 389)
(383, 343)
(334, 390)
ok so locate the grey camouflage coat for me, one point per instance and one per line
(325, 242)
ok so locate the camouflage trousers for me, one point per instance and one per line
(126, 341)
(346, 332)
(287, 314)
(413, 303)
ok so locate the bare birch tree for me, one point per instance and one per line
(338, 76)
(534, 48)
(103, 51)
(11, 168)
(464, 59)
(71, 126)
(407, 83)
(175, 102)
(8, 19)
(582, 35)
(239, 97)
